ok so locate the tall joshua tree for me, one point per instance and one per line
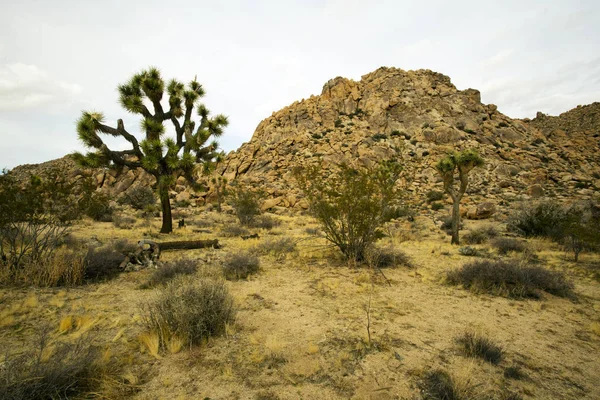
(166, 158)
(457, 165)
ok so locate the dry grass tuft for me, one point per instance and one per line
(64, 267)
(439, 385)
(476, 345)
(150, 341)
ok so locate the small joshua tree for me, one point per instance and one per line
(165, 158)
(452, 166)
(220, 185)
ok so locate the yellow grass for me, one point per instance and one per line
(300, 331)
(151, 343)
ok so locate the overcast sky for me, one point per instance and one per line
(255, 57)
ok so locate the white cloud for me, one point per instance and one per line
(496, 59)
(25, 86)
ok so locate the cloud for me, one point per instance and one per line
(496, 59)
(25, 86)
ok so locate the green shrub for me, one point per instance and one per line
(434, 195)
(538, 219)
(139, 197)
(240, 265)
(475, 345)
(97, 206)
(437, 206)
(246, 204)
(190, 311)
(351, 204)
(510, 279)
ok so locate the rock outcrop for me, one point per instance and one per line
(415, 116)
(419, 116)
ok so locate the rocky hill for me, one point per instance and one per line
(417, 116)
(423, 115)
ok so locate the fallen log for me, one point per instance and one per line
(189, 244)
(148, 252)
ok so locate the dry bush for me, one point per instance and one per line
(190, 311)
(234, 230)
(139, 197)
(63, 268)
(240, 265)
(480, 235)
(278, 248)
(169, 270)
(510, 279)
(476, 345)
(505, 245)
(389, 257)
(102, 263)
(265, 222)
(56, 371)
(123, 221)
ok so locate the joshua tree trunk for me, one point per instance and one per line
(167, 222)
(455, 219)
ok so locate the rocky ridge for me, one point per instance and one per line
(420, 115)
(417, 116)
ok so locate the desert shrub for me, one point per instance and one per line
(446, 225)
(434, 195)
(122, 221)
(351, 204)
(439, 385)
(538, 219)
(139, 197)
(190, 311)
(240, 265)
(233, 230)
(504, 245)
(468, 251)
(480, 235)
(510, 279)
(33, 222)
(169, 270)
(476, 345)
(63, 268)
(277, 247)
(389, 257)
(70, 371)
(102, 263)
(97, 206)
(437, 206)
(246, 204)
(265, 222)
(313, 231)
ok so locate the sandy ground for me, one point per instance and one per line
(301, 328)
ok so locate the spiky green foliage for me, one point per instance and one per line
(161, 156)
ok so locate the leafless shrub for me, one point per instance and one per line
(240, 265)
(191, 311)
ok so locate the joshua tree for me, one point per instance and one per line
(457, 165)
(164, 157)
